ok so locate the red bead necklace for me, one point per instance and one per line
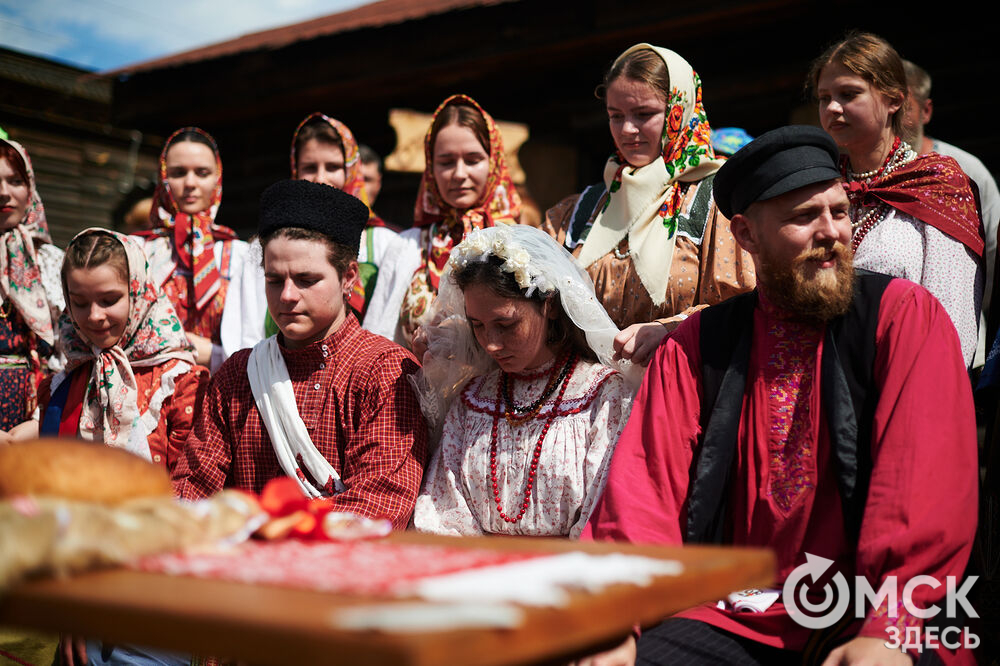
(517, 414)
(571, 363)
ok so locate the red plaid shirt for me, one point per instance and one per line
(353, 395)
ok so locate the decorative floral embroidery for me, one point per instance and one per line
(790, 376)
(480, 394)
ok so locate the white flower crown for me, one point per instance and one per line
(478, 246)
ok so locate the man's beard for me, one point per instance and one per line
(822, 297)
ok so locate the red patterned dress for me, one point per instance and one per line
(17, 378)
(177, 410)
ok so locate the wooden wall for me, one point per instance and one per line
(82, 163)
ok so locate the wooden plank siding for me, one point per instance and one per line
(535, 62)
(83, 163)
(80, 181)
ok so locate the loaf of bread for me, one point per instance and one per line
(75, 470)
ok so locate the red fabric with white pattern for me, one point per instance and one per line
(355, 567)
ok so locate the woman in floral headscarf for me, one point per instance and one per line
(650, 235)
(324, 151)
(130, 379)
(465, 186)
(30, 295)
(191, 258)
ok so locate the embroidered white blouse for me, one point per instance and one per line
(457, 496)
(905, 247)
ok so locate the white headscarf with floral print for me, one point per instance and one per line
(153, 335)
(643, 202)
(20, 274)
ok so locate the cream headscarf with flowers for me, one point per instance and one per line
(20, 273)
(152, 336)
(643, 202)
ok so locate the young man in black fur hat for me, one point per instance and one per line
(323, 401)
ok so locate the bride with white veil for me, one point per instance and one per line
(521, 381)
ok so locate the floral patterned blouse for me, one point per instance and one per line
(457, 496)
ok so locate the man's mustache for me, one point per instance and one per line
(839, 250)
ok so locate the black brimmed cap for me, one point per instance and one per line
(305, 205)
(774, 163)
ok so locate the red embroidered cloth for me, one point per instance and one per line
(933, 189)
(376, 568)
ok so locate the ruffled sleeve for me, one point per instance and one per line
(179, 410)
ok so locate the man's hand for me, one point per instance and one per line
(202, 349)
(867, 651)
(638, 342)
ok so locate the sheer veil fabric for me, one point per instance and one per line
(538, 263)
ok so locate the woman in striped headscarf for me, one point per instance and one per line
(324, 151)
(191, 258)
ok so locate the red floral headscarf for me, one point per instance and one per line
(933, 189)
(500, 202)
(194, 235)
(354, 180)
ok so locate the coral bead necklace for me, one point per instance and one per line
(865, 218)
(562, 381)
(517, 414)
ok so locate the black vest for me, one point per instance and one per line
(846, 387)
